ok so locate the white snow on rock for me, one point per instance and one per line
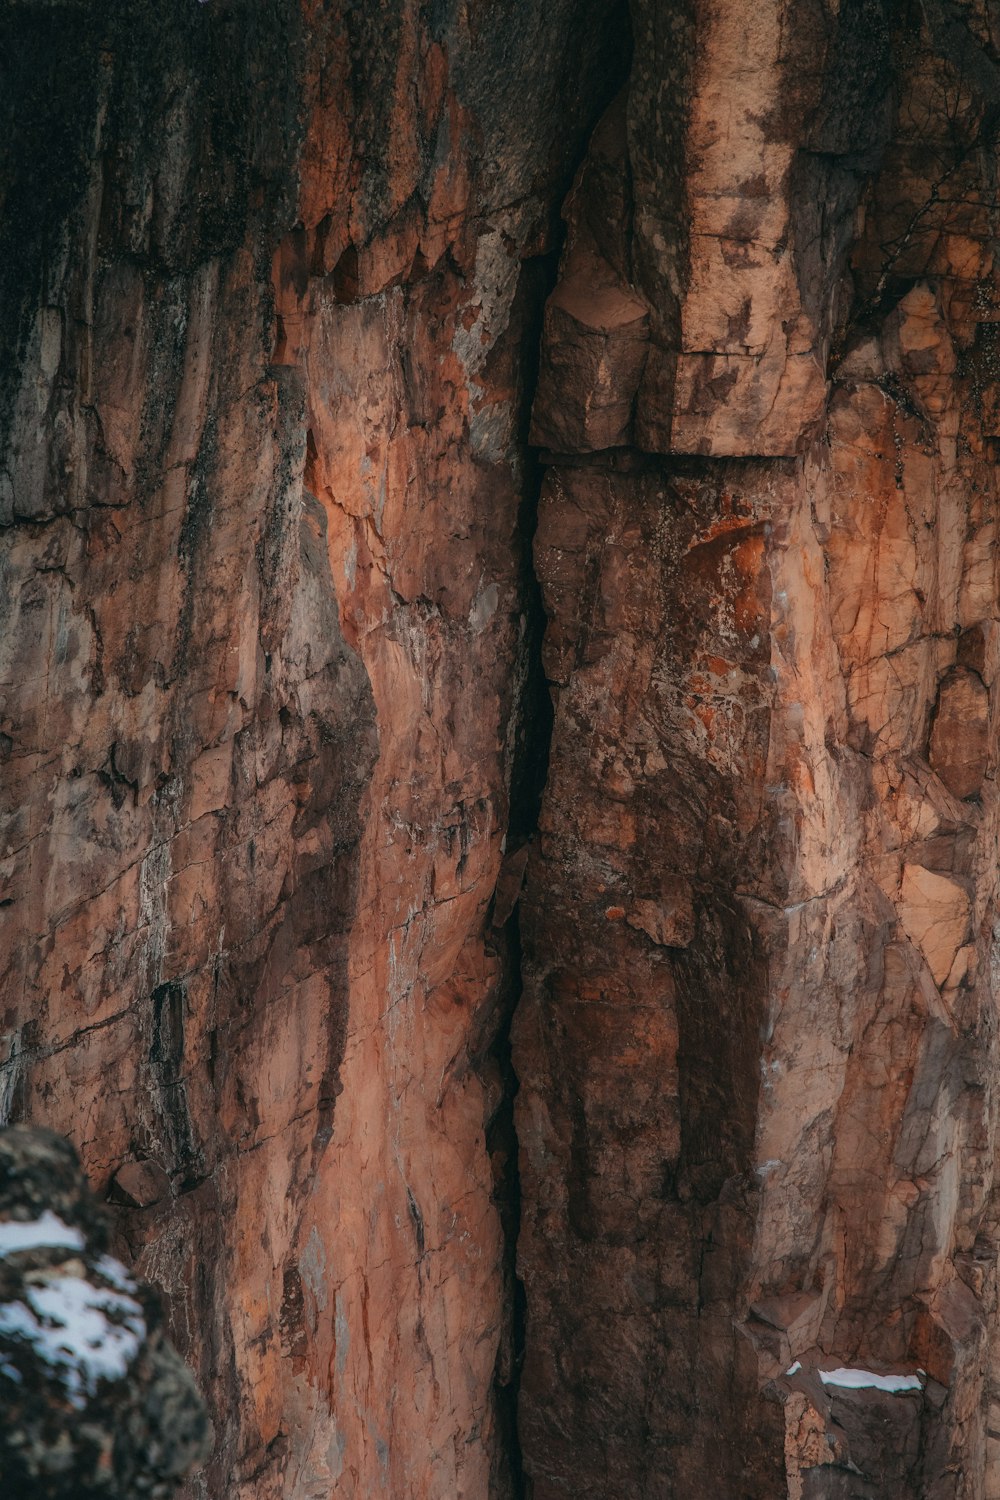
(85, 1333)
(112, 1270)
(47, 1233)
(795, 1368)
(862, 1380)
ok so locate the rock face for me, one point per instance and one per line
(270, 669)
(757, 1047)
(95, 1401)
(292, 321)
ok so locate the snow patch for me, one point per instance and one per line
(794, 1369)
(47, 1233)
(862, 1380)
(112, 1270)
(84, 1333)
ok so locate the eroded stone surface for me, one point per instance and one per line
(770, 1124)
(265, 666)
(271, 735)
(959, 744)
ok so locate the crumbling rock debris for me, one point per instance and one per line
(95, 1404)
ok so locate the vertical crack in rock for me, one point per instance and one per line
(417, 454)
(757, 1041)
(265, 633)
(528, 743)
(364, 1012)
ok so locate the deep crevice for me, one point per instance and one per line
(502, 1147)
(532, 719)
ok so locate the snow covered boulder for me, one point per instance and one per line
(93, 1401)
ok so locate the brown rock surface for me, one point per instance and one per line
(95, 1401)
(266, 639)
(764, 1131)
(274, 727)
(959, 744)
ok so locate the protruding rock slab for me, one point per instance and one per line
(960, 732)
(140, 1184)
(934, 911)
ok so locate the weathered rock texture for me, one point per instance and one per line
(758, 1044)
(282, 305)
(268, 647)
(95, 1401)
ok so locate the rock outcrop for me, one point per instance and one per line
(342, 805)
(270, 670)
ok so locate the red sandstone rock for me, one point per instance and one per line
(267, 630)
(272, 732)
(140, 1184)
(775, 1142)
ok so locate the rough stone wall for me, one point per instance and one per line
(265, 661)
(758, 1044)
(274, 725)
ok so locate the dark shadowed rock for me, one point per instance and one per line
(495, 732)
(959, 746)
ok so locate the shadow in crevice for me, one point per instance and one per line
(531, 735)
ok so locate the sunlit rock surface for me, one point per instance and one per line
(757, 1048)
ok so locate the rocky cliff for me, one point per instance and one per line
(500, 631)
